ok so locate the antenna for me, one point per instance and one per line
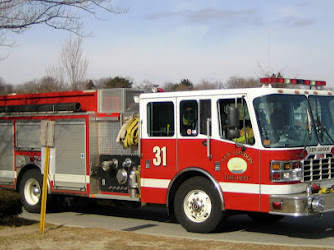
(268, 52)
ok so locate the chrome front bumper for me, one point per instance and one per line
(301, 204)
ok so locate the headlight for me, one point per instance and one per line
(285, 171)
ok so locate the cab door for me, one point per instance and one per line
(220, 147)
(157, 148)
(194, 115)
(235, 153)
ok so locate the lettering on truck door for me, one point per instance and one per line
(234, 154)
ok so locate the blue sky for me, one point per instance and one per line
(165, 41)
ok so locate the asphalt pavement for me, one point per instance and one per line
(303, 231)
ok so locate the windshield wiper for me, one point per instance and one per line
(320, 127)
(309, 134)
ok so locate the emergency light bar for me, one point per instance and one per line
(275, 80)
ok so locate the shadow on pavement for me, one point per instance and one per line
(310, 227)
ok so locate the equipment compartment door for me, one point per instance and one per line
(70, 155)
(7, 171)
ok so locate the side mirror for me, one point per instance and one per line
(232, 133)
(233, 130)
(232, 117)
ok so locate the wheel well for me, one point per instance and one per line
(23, 171)
(182, 177)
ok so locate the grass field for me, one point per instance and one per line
(20, 233)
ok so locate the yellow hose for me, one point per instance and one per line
(326, 191)
(131, 136)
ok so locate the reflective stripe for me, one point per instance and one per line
(239, 187)
(283, 189)
(154, 183)
(71, 178)
(8, 174)
(248, 188)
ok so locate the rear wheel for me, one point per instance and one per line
(197, 205)
(31, 190)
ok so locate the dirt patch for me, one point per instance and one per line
(19, 233)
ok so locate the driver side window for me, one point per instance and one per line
(234, 121)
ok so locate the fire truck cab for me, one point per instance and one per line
(263, 151)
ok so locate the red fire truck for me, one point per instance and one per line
(264, 151)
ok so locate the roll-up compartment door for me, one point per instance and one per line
(7, 171)
(70, 155)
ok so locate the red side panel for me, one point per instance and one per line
(243, 174)
(158, 168)
(87, 99)
(154, 195)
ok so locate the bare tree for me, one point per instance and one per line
(27, 87)
(72, 66)
(269, 73)
(43, 85)
(239, 82)
(57, 73)
(20, 15)
(146, 86)
(5, 88)
(205, 84)
(50, 84)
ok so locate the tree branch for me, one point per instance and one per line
(20, 15)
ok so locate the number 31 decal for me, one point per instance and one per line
(160, 156)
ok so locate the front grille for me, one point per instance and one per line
(318, 169)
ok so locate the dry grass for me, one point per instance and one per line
(20, 233)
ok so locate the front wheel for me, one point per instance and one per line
(31, 190)
(197, 205)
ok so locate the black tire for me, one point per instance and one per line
(31, 190)
(197, 205)
(264, 217)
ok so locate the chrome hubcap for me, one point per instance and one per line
(197, 206)
(32, 191)
(36, 190)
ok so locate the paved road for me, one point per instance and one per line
(305, 231)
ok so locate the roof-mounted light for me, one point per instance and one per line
(286, 81)
(293, 81)
(320, 83)
(156, 89)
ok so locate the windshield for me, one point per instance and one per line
(323, 110)
(284, 121)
